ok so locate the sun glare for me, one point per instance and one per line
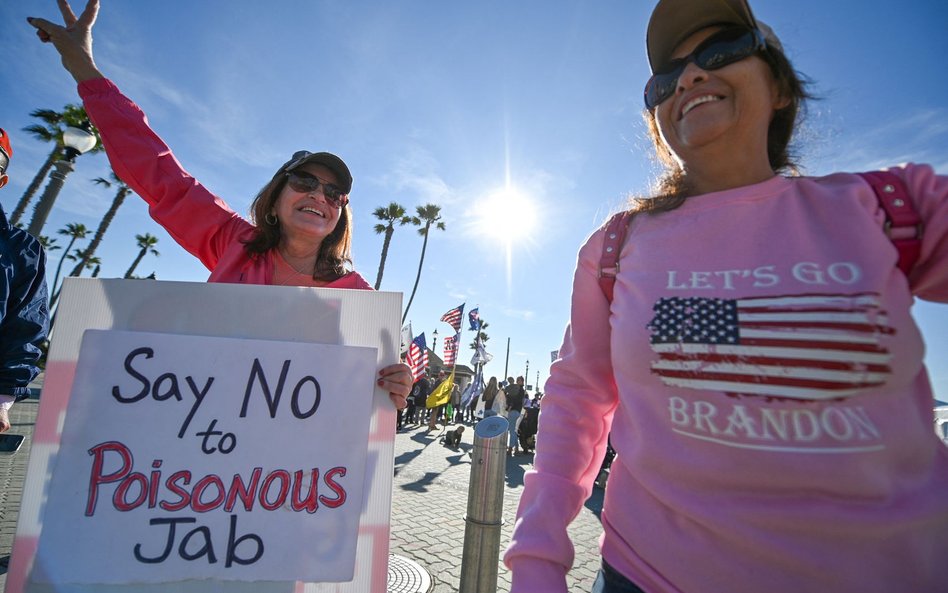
(507, 214)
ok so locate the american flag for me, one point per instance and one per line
(475, 319)
(810, 346)
(454, 317)
(451, 349)
(417, 357)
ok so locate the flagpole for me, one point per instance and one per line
(507, 362)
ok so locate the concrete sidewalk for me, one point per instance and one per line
(428, 505)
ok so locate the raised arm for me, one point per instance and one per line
(73, 40)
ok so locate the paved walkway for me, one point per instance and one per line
(430, 500)
(428, 505)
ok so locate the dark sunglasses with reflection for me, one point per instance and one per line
(306, 183)
(725, 47)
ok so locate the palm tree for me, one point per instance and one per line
(55, 122)
(429, 215)
(75, 231)
(481, 335)
(146, 243)
(48, 244)
(392, 214)
(123, 191)
(78, 255)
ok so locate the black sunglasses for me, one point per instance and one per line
(306, 183)
(717, 51)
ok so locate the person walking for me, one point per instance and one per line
(515, 395)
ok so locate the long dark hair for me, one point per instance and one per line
(335, 257)
(672, 187)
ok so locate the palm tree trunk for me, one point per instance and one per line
(421, 262)
(59, 268)
(89, 251)
(141, 254)
(33, 186)
(388, 238)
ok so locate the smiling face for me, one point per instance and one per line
(307, 216)
(725, 110)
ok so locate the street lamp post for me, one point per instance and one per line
(526, 373)
(76, 141)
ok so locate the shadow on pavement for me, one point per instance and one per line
(422, 483)
(518, 465)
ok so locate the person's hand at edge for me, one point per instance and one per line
(4, 420)
(74, 40)
(396, 379)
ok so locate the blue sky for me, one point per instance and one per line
(451, 103)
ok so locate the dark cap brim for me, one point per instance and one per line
(673, 21)
(327, 159)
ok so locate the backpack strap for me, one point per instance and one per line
(616, 229)
(903, 225)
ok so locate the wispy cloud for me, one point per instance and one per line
(920, 136)
(524, 314)
(416, 172)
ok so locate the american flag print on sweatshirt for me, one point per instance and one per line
(807, 346)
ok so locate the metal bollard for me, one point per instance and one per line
(485, 507)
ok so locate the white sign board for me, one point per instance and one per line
(240, 335)
(208, 458)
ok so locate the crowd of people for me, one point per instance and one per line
(507, 398)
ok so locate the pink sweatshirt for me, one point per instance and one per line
(197, 219)
(763, 379)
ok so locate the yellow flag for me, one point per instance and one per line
(441, 394)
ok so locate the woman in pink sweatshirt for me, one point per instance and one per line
(756, 363)
(301, 229)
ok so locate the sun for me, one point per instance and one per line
(507, 214)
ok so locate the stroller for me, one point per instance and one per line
(527, 431)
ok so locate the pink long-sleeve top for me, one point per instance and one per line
(763, 380)
(198, 220)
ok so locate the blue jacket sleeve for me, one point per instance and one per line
(23, 307)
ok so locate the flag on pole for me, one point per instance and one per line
(441, 395)
(406, 337)
(481, 356)
(474, 389)
(475, 319)
(417, 357)
(453, 317)
(451, 349)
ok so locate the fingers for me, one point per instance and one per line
(396, 379)
(69, 17)
(88, 15)
(44, 28)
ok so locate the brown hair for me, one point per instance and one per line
(672, 187)
(335, 257)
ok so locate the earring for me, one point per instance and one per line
(270, 218)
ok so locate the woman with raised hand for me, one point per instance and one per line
(301, 226)
(749, 344)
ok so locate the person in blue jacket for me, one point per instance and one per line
(24, 314)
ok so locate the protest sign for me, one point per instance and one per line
(248, 339)
(208, 457)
